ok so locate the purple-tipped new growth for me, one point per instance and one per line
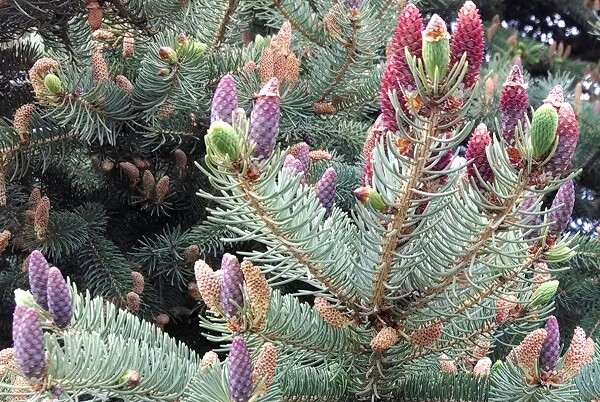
(476, 152)
(225, 100)
(231, 285)
(239, 371)
(265, 119)
(563, 202)
(28, 341)
(59, 298)
(513, 104)
(38, 278)
(326, 189)
(551, 346)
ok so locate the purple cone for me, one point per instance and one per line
(225, 100)
(28, 341)
(568, 136)
(265, 119)
(239, 371)
(551, 346)
(514, 102)
(301, 151)
(231, 285)
(564, 200)
(38, 278)
(326, 189)
(353, 3)
(293, 167)
(59, 298)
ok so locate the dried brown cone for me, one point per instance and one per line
(165, 111)
(264, 368)
(330, 314)
(208, 360)
(138, 282)
(447, 365)
(5, 236)
(507, 307)
(38, 72)
(384, 339)
(124, 83)
(319, 155)
(94, 15)
(258, 291)
(21, 121)
(131, 171)
(527, 353)
(482, 368)
(162, 189)
(192, 253)
(42, 215)
(181, 159)
(162, 320)
(193, 291)
(148, 183)
(209, 284)
(132, 301)
(128, 46)
(99, 66)
(141, 163)
(427, 335)
(35, 197)
(267, 65)
(324, 108)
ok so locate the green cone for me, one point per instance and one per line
(543, 130)
(376, 201)
(436, 47)
(543, 294)
(53, 83)
(222, 140)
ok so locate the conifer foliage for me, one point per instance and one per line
(429, 280)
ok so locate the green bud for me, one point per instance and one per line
(130, 379)
(560, 253)
(222, 140)
(543, 129)
(376, 201)
(259, 40)
(496, 366)
(25, 298)
(436, 47)
(191, 49)
(543, 294)
(53, 84)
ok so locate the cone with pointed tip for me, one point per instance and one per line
(38, 278)
(239, 371)
(264, 124)
(528, 351)
(28, 341)
(124, 83)
(258, 291)
(568, 135)
(208, 283)
(514, 103)
(551, 346)
(397, 74)
(436, 48)
(225, 100)
(231, 286)
(468, 38)
(577, 354)
(59, 298)
(556, 97)
(476, 147)
(293, 167)
(99, 66)
(325, 190)
(264, 368)
(543, 129)
(563, 202)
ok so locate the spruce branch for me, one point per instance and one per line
(223, 25)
